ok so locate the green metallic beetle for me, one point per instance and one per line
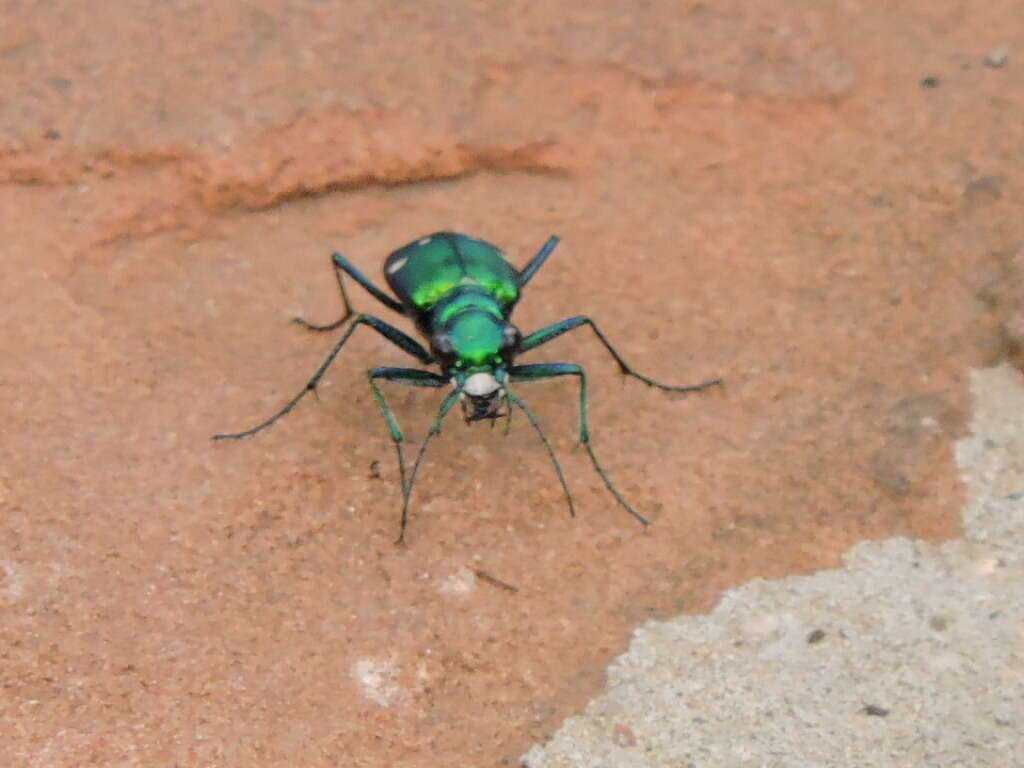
(460, 293)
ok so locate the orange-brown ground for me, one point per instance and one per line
(820, 204)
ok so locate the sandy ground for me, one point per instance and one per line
(911, 655)
(819, 203)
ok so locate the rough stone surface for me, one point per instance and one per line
(910, 655)
(819, 203)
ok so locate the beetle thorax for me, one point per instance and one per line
(475, 350)
(475, 340)
(474, 344)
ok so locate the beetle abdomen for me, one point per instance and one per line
(424, 272)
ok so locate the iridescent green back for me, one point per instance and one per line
(425, 271)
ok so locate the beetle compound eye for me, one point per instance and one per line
(443, 344)
(510, 337)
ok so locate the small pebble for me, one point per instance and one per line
(997, 57)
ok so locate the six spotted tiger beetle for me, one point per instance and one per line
(460, 293)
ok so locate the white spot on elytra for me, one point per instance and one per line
(376, 677)
(480, 384)
(397, 264)
(424, 240)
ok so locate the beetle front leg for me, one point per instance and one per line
(541, 371)
(411, 377)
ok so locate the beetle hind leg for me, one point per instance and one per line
(342, 267)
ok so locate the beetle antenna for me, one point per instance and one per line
(551, 452)
(446, 406)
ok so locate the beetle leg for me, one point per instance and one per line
(553, 331)
(541, 371)
(446, 405)
(411, 377)
(527, 273)
(343, 266)
(398, 338)
(551, 451)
